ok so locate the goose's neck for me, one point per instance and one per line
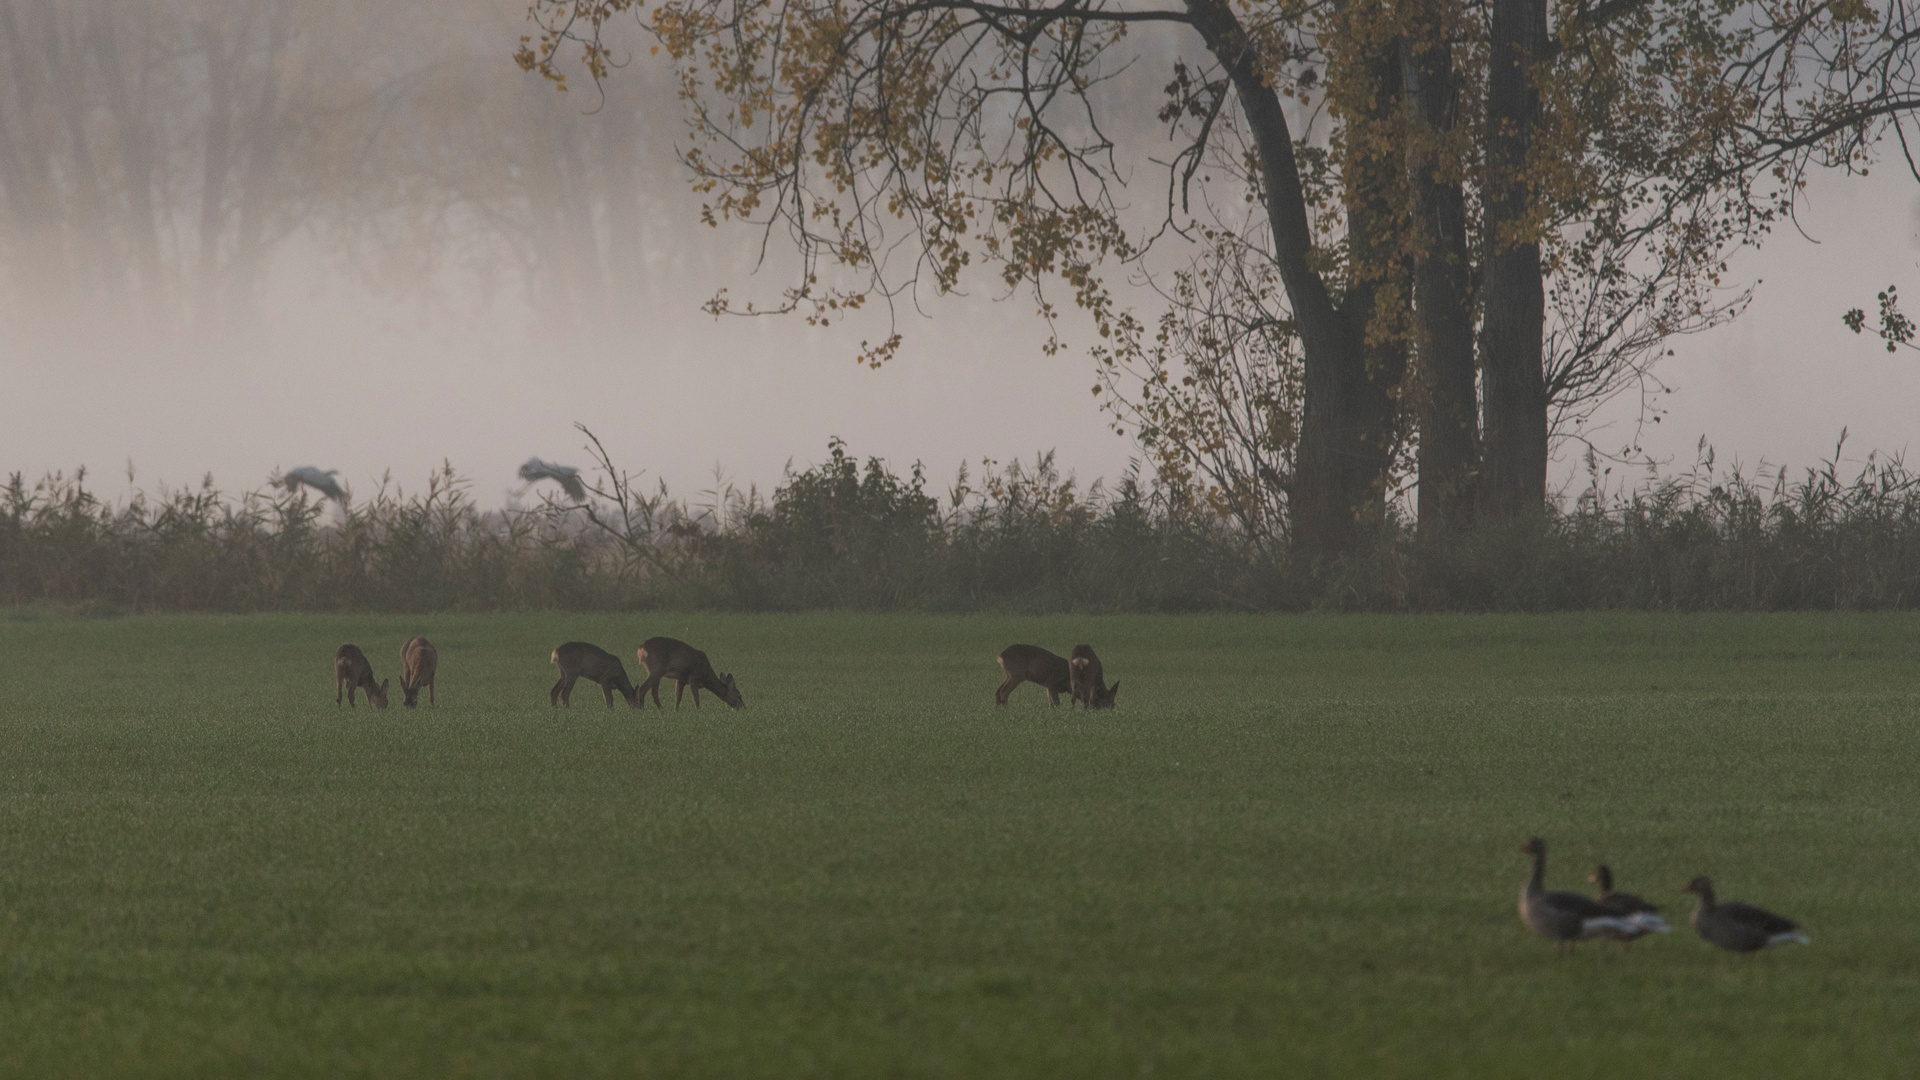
(1536, 881)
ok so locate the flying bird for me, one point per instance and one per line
(566, 476)
(318, 480)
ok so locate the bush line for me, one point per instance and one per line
(843, 535)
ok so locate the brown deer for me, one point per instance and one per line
(1031, 663)
(665, 657)
(577, 658)
(351, 672)
(418, 659)
(1089, 679)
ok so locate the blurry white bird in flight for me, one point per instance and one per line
(566, 476)
(321, 481)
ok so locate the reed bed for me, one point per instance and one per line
(858, 535)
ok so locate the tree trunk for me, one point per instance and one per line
(1449, 437)
(131, 114)
(1342, 450)
(1379, 295)
(1513, 476)
(216, 163)
(28, 175)
(259, 168)
(98, 275)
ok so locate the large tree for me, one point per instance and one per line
(1539, 194)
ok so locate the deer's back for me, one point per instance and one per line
(671, 656)
(419, 656)
(350, 662)
(1035, 664)
(594, 662)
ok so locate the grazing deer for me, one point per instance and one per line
(665, 657)
(418, 659)
(1031, 663)
(351, 672)
(577, 658)
(1089, 679)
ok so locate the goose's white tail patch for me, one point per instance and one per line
(1648, 921)
(1791, 937)
(1606, 924)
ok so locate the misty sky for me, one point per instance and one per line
(336, 377)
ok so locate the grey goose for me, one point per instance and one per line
(1565, 917)
(1739, 927)
(1645, 914)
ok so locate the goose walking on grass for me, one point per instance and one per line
(1739, 927)
(1568, 918)
(1645, 916)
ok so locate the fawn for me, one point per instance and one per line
(418, 659)
(577, 658)
(1089, 679)
(351, 672)
(665, 657)
(1031, 663)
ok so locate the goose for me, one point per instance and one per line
(1567, 918)
(1645, 916)
(1739, 927)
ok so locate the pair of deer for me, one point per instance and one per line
(353, 671)
(1079, 676)
(663, 657)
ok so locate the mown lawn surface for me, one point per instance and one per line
(1290, 852)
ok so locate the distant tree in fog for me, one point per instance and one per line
(145, 147)
(157, 156)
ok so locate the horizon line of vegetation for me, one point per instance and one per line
(1023, 537)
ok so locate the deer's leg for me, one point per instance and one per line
(1053, 697)
(696, 694)
(679, 691)
(566, 691)
(430, 700)
(653, 684)
(606, 691)
(338, 685)
(1006, 688)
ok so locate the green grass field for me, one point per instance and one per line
(1291, 851)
